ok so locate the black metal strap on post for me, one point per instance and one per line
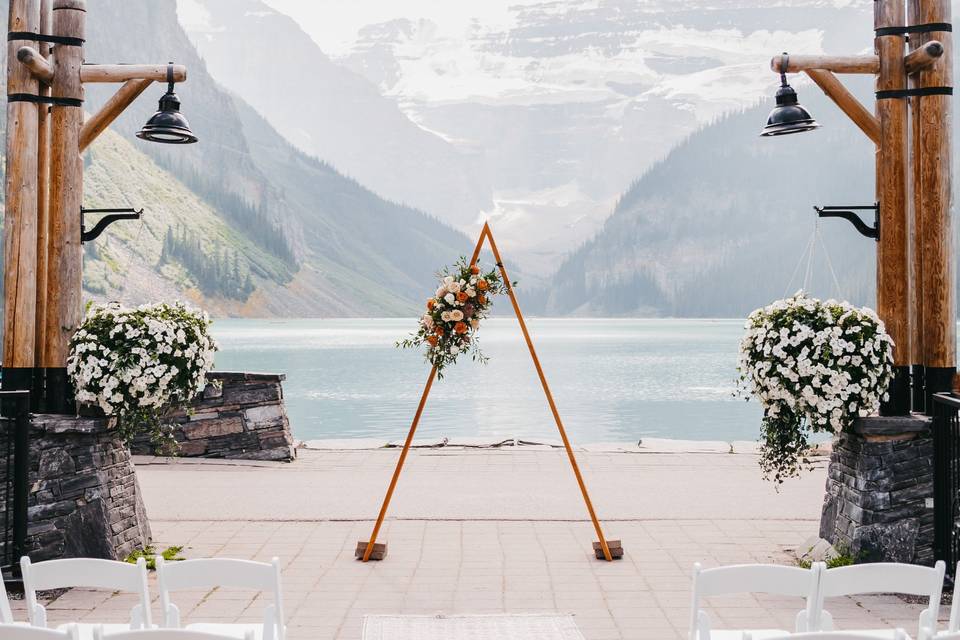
(926, 27)
(45, 37)
(15, 408)
(916, 91)
(29, 97)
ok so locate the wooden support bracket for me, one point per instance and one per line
(847, 102)
(837, 64)
(125, 72)
(40, 67)
(923, 57)
(98, 122)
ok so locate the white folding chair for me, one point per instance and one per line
(751, 578)
(833, 635)
(23, 632)
(6, 615)
(91, 573)
(223, 572)
(882, 577)
(163, 634)
(953, 627)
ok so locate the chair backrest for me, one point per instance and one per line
(165, 634)
(85, 572)
(751, 578)
(883, 577)
(833, 635)
(954, 624)
(23, 632)
(222, 572)
(6, 615)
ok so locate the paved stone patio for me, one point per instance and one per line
(486, 532)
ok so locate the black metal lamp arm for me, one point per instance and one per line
(848, 213)
(105, 221)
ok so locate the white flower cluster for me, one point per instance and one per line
(123, 359)
(824, 363)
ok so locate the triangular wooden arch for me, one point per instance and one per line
(608, 550)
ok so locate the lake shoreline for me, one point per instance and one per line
(646, 445)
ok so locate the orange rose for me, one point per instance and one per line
(432, 340)
(482, 285)
(460, 327)
(482, 299)
(474, 269)
(438, 331)
(462, 297)
(430, 304)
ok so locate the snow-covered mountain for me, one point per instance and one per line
(571, 100)
(537, 114)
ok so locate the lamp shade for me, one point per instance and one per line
(168, 125)
(789, 116)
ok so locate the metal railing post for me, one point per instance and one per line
(15, 407)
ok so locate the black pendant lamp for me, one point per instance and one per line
(168, 125)
(788, 116)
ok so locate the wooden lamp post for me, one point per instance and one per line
(911, 129)
(46, 134)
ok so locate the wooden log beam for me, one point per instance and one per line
(847, 102)
(837, 64)
(915, 43)
(936, 242)
(64, 279)
(112, 108)
(43, 186)
(37, 63)
(20, 221)
(125, 72)
(923, 56)
(893, 265)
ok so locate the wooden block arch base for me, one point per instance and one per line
(603, 549)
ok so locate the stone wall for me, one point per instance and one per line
(240, 416)
(84, 498)
(879, 484)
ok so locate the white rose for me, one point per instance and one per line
(449, 298)
(454, 287)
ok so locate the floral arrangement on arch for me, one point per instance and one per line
(139, 363)
(815, 367)
(449, 326)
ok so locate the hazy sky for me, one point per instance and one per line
(333, 24)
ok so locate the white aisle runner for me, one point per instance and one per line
(467, 627)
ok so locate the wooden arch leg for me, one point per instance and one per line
(602, 546)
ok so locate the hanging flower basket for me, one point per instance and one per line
(449, 327)
(814, 366)
(137, 364)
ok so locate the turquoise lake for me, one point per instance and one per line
(613, 380)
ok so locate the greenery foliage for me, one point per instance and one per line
(149, 553)
(216, 273)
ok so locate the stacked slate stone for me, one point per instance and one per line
(239, 416)
(84, 499)
(879, 491)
